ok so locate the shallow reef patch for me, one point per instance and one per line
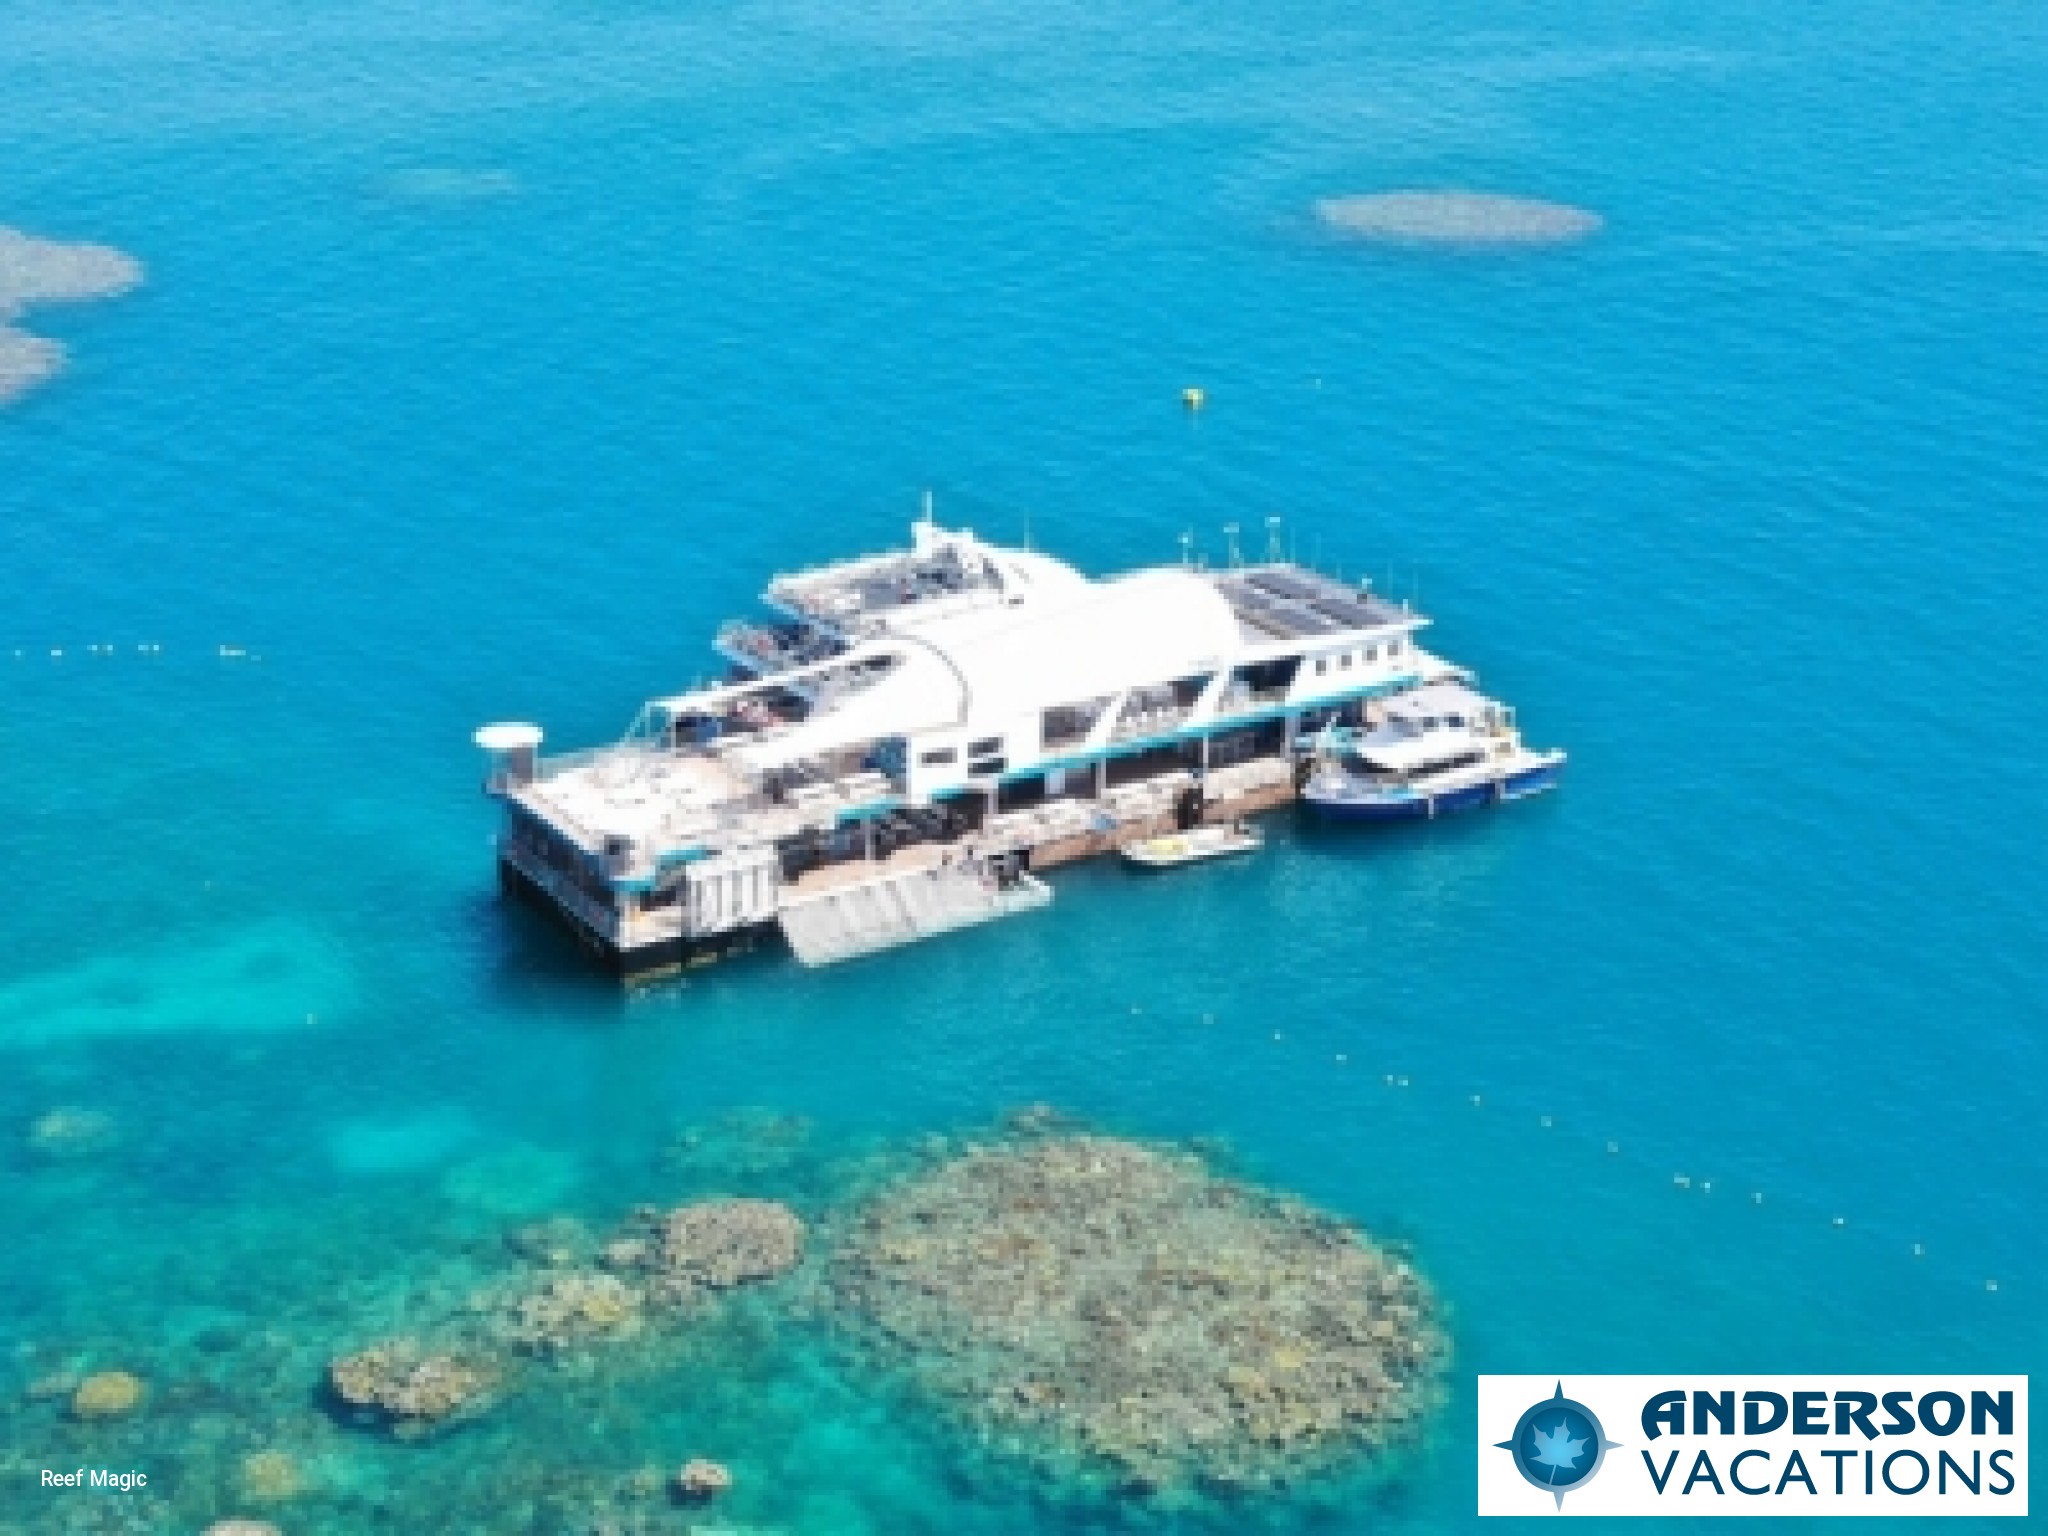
(1088, 1299)
(565, 1306)
(35, 271)
(1065, 1319)
(1452, 218)
(68, 1133)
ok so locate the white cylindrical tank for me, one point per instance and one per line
(512, 752)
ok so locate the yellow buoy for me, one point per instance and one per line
(1193, 399)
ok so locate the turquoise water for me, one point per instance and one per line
(489, 358)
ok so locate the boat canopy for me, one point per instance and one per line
(1440, 703)
(1404, 749)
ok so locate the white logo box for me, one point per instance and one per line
(1755, 1472)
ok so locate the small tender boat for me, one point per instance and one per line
(1429, 752)
(1194, 845)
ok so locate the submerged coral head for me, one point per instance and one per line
(1455, 218)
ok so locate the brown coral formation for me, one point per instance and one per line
(701, 1481)
(575, 1309)
(562, 1308)
(106, 1395)
(411, 1391)
(271, 1477)
(1082, 1296)
(664, 1260)
(708, 1246)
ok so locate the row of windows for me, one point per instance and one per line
(1369, 655)
(989, 747)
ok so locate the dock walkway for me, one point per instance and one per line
(848, 920)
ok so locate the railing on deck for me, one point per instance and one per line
(1150, 722)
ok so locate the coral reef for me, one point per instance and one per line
(36, 271)
(1093, 1316)
(561, 1309)
(107, 1395)
(413, 1392)
(670, 1260)
(1080, 1296)
(573, 1309)
(271, 1477)
(1455, 219)
(700, 1481)
(66, 1133)
(708, 1246)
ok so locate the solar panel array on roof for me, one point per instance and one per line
(1351, 615)
(1284, 584)
(1299, 604)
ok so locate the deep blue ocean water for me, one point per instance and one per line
(490, 357)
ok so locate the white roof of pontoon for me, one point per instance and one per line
(1082, 642)
(1064, 644)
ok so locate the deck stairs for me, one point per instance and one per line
(860, 919)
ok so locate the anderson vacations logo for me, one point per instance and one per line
(1753, 1445)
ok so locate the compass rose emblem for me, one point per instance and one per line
(1558, 1445)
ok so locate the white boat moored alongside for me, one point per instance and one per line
(1194, 845)
(1426, 753)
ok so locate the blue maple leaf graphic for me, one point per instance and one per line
(1557, 1450)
